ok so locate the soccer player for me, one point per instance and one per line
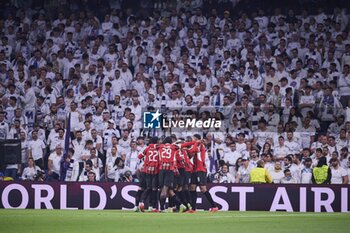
(199, 176)
(141, 175)
(182, 180)
(151, 157)
(167, 165)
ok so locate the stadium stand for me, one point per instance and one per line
(76, 78)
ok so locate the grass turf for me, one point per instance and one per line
(51, 221)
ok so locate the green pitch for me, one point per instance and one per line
(62, 221)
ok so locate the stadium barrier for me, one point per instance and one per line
(242, 197)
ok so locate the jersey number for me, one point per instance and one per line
(166, 153)
(153, 154)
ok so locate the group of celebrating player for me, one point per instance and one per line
(173, 170)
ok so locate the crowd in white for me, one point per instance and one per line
(279, 83)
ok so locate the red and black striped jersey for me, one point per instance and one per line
(167, 156)
(151, 159)
(198, 151)
(183, 161)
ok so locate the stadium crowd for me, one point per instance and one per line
(279, 83)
